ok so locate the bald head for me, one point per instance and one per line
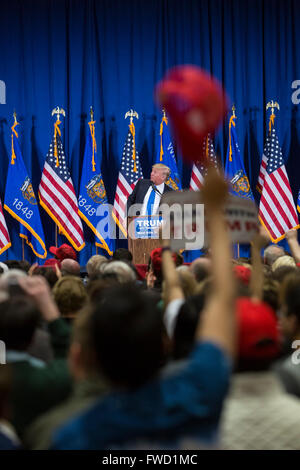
(70, 267)
(272, 253)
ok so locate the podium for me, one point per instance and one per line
(143, 236)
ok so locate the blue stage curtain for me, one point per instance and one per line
(111, 53)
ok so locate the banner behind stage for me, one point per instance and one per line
(111, 53)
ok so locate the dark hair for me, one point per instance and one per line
(122, 254)
(96, 289)
(24, 265)
(271, 294)
(48, 273)
(19, 319)
(12, 264)
(127, 331)
(282, 272)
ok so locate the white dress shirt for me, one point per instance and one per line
(157, 199)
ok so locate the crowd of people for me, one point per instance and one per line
(199, 356)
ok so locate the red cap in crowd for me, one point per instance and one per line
(243, 273)
(258, 330)
(64, 251)
(156, 259)
(51, 262)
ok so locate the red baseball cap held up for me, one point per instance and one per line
(195, 103)
(64, 251)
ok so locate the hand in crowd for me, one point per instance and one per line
(215, 189)
(150, 279)
(292, 239)
(58, 271)
(292, 236)
(32, 269)
(38, 290)
(261, 239)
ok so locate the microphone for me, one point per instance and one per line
(155, 188)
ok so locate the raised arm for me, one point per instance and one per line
(292, 240)
(218, 322)
(172, 288)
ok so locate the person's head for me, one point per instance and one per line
(48, 273)
(122, 254)
(271, 253)
(127, 331)
(70, 295)
(187, 281)
(12, 264)
(290, 306)
(9, 282)
(282, 272)
(19, 319)
(24, 265)
(283, 261)
(200, 268)
(242, 274)
(62, 252)
(70, 267)
(94, 263)
(271, 293)
(155, 265)
(258, 335)
(122, 271)
(96, 288)
(159, 174)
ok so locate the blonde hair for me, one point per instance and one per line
(123, 272)
(187, 281)
(161, 166)
(70, 295)
(94, 263)
(283, 261)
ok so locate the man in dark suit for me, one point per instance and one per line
(148, 192)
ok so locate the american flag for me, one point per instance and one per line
(4, 236)
(57, 195)
(277, 211)
(199, 170)
(130, 172)
(263, 166)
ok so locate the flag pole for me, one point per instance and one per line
(58, 111)
(96, 249)
(23, 250)
(238, 250)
